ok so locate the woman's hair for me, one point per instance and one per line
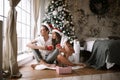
(69, 42)
(57, 40)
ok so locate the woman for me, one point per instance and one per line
(65, 48)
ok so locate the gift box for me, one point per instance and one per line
(64, 70)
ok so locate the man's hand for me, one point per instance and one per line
(50, 47)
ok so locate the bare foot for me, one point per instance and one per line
(43, 62)
(34, 65)
(52, 65)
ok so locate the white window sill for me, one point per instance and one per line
(24, 58)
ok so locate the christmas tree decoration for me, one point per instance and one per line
(60, 17)
(55, 13)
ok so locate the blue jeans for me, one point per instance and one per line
(50, 58)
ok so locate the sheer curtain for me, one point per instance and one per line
(36, 9)
(42, 7)
(10, 47)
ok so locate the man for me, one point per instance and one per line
(42, 45)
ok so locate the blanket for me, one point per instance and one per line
(103, 49)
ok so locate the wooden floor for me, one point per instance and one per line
(82, 74)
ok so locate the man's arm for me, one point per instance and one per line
(32, 45)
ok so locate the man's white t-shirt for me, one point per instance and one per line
(41, 42)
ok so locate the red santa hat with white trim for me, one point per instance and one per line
(49, 26)
(58, 31)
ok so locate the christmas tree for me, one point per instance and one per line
(60, 17)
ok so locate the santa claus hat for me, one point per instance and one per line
(49, 26)
(58, 31)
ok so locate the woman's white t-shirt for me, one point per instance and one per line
(63, 40)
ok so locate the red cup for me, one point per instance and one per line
(49, 47)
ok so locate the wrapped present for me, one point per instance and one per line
(64, 70)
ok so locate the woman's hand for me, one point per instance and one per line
(58, 46)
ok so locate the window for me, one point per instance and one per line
(23, 26)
